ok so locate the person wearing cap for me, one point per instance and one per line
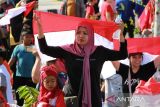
(137, 71)
(24, 60)
(5, 84)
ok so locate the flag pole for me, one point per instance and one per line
(157, 18)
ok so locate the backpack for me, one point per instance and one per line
(113, 91)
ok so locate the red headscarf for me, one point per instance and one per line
(45, 95)
(89, 48)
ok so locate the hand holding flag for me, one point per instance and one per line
(38, 21)
(121, 27)
(119, 33)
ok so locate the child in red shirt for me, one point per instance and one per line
(50, 93)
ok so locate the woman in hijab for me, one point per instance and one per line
(50, 93)
(83, 61)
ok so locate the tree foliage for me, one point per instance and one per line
(29, 95)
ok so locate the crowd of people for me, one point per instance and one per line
(75, 69)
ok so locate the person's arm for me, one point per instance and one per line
(108, 13)
(121, 27)
(116, 65)
(114, 55)
(157, 62)
(13, 58)
(87, 16)
(12, 61)
(108, 16)
(36, 69)
(103, 87)
(40, 30)
(53, 51)
(88, 12)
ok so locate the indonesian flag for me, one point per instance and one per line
(60, 30)
(15, 12)
(150, 45)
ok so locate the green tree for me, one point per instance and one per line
(29, 95)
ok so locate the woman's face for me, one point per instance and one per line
(136, 60)
(50, 83)
(82, 36)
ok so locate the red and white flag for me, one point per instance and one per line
(15, 12)
(146, 18)
(150, 45)
(60, 29)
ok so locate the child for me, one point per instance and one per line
(50, 93)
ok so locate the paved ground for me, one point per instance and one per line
(45, 5)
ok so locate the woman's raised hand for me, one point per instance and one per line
(121, 27)
(38, 21)
(36, 18)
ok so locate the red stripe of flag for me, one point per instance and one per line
(54, 22)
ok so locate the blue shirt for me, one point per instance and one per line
(25, 61)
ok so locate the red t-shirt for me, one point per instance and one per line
(90, 10)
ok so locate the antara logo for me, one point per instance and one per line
(111, 99)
